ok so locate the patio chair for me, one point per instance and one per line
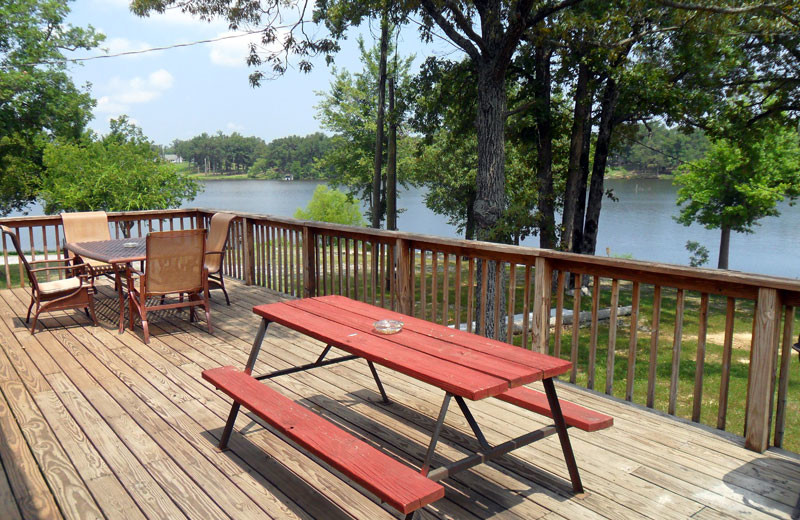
(88, 226)
(73, 292)
(215, 250)
(173, 266)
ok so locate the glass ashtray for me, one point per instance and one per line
(388, 326)
(130, 244)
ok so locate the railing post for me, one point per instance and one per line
(309, 263)
(542, 286)
(403, 272)
(249, 252)
(762, 367)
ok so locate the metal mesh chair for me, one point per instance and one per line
(87, 226)
(173, 266)
(215, 250)
(73, 292)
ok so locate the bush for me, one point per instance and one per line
(333, 206)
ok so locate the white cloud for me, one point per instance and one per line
(234, 127)
(234, 49)
(120, 94)
(122, 45)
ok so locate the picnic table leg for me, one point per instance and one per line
(378, 380)
(563, 436)
(437, 430)
(472, 423)
(251, 361)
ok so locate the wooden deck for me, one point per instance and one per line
(98, 425)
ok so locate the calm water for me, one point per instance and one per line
(641, 224)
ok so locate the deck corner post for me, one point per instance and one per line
(542, 289)
(249, 252)
(309, 259)
(762, 367)
(403, 277)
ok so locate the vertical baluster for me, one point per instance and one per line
(347, 278)
(5, 260)
(355, 270)
(676, 352)
(364, 269)
(413, 284)
(298, 262)
(471, 296)
(434, 284)
(612, 337)
(484, 282)
(331, 254)
(445, 288)
(44, 248)
(287, 262)
(633, 342)
(339, 264)
(457, 293)
(701, 357)
(30, 243)
(279, 280)
(320, 282)
(19, 261)
(139, 227)
(576, 326)
(374, 272)
(423, 284)
(559, 314)
(265, 260)
(181, 221)
(526, 300)
(783, 380)
(725, 375)
(498, 285)
(593, 337)
(512, 294)
(654, 333)
(391, 272)
(172, 223)
(323, 254)
(383, 273)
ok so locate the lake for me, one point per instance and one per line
(640, 224)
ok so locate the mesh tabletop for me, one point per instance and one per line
(112, 251)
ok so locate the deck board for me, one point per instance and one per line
(97, 424)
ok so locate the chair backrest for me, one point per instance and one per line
(7, 231)
(217, 239)
(87, 226)
(174, 261)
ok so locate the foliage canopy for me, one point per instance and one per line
(331, 205)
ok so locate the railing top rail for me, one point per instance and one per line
(44, 220)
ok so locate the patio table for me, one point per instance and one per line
(467, 367)
(117, 252)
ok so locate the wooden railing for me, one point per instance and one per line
(728, 334)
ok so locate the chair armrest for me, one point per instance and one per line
(50, 261)
(215, 252)
(57, 268)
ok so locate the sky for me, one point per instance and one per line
(182, 92)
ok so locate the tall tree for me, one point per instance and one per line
(740, 182)
(38, 101)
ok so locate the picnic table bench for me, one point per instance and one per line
(464, 365)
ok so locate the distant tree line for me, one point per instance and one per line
(235, 153)
(655, 149)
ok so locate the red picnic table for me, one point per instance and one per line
(464, 365)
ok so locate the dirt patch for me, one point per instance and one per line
(741, 340)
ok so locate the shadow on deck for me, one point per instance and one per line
(97, 424)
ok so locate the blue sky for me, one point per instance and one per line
(182, 92)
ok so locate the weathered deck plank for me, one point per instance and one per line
(135, 427)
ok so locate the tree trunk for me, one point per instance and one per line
(376, 173)
(490, 181)
(391, 164)
(724, 247)
(582, 112)
(546, 219)
(607, 108)
(580, 204)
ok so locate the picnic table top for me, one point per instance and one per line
(116, 251)
(458, 362)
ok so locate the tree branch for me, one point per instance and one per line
(451, 32)
(465, 25)
(723, 10)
